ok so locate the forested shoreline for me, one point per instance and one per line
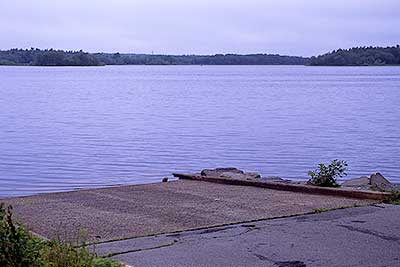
(218, 59)
(357, 56)
(50, 57)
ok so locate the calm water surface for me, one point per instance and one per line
(66, 128)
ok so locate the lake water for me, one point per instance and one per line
(65, 128)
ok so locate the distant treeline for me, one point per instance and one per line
(359, 56)
(219, 59)
(50, 57)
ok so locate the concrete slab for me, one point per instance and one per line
(364, 236)
(137, 210)
(288, 186)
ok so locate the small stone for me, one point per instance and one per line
(165, 179)
(254, 175)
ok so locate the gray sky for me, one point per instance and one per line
(302, 27)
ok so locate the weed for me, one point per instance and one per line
(394, 197)
(320, 210)
(19, 249)
(326, 175)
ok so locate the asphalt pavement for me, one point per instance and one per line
(361, 236)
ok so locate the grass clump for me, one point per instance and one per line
(320, 210)
(18, 248)
(394, 197)
(327, 175)
(104, 262)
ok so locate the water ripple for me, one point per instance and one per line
(68, 128)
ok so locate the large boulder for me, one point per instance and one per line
(379, 183)
(375, 182)
(359, 183)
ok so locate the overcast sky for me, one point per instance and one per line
(295, 27)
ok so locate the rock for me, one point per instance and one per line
(379, 183)
(219, 171)
(254, 175)
(241, 176)
(165, 179)
(232, 173)
(277, 179)
(375, 182)
(362, 182)
(300, 182)
(274, 179)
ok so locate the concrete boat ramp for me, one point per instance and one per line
(146, 221)
(140, 210)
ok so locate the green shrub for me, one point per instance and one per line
(394, 197)
(19, 249)
(104, 262)
(327, 175)
(62, 254)
(56, 254)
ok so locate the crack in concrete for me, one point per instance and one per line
(369, 232)
(182, 236)
(213, 230)
(184, 232)
(210, 231)
(281, 263)
(359, 221)
(263, 258)
(140, 249)
(234, 235)
(290, 264)
(206, 231)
